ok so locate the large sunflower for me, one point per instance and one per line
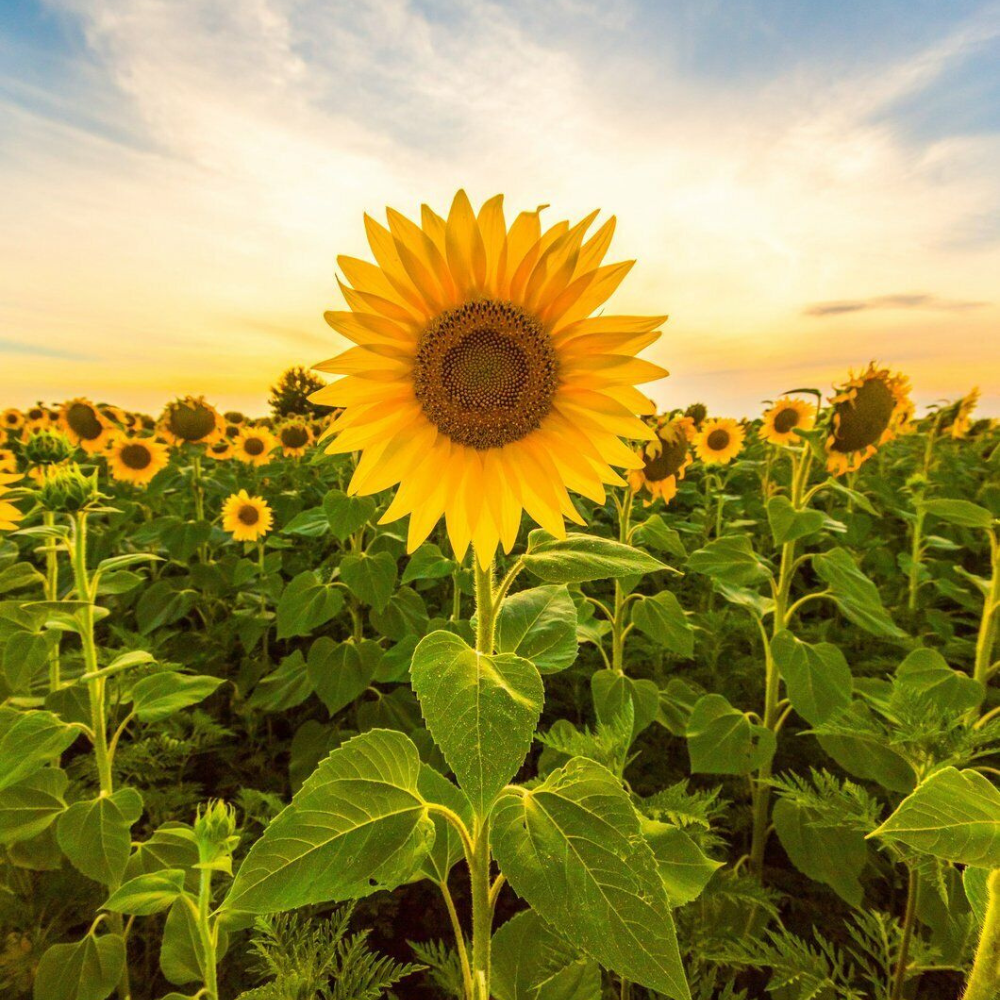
(719, 441)
(254, 445)
(137, 460)
(85, 425)
(246, 518)
(785, 418)
(191, 420)
(295, 437)
(665, 459)
(480, 383)
(9, 514)
(869, 410)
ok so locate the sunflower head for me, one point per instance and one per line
(719, 441)
(665, 459)
(191, 420)
(137, 460)
(47, 447)
(234, 417)
(480, 383)
(785, 419)
(9, 514)
(246, 518)
(36, 417)
(67, 489)
(869, 410)
(11, 420)
(697, 412)
(254, 445)
(85, 425)
(957, 418)
(295, 436)
(8, 461)
(221, 450)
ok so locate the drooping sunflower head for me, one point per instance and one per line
(719, 441)
(85, 425)
(246, 518)
(47, 447)
(137, 460)
(9, 514)
(295, 436)
(254, 445)
(221, 450)
(234, 417)
(191, 420)
(783, 421)
(869, 410)
(480, 383)
(8, 461)
(11, 419)
(957, 418)
(697, 412)
(665, 459)
(114, 415)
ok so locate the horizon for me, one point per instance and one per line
(180, 178)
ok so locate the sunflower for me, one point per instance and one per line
(85, 425)
(37, 418)
(8, 460)
(719, 441)
(191, 420)
(221, 450)
(665, 459)
(137, 460)
(11, 420)
(295, 436)
(9, 514)
(246, 518)
(254, 445)
(232, 431)
(786, 417)
(480, 383)
(235, 417)
(961, 418)
(869, 410)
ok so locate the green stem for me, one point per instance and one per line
(207, 933)
(486, 609)
(197, 487)
(52, 594)
(909, 917)
(987, 625)
(262, 577)
(463, 951)
(618, 630)
(984, 981)
(916, 554)
(482, 912)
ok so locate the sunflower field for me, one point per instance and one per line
(468, 674)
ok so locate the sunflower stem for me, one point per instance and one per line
(52, 594)
(987, 625)
(985, 973)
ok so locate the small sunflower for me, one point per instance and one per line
(787, 416)
(254, 445)
(11, 419)
(961, 420)
(9, 514)
(232, 431)
(8, 460)
(191, 420)
(295, 437)
(246, 518)
(869, 410)
(37, 418)
(481, 385)
(137, 460)
(665, 459)
(719, 441)
(85, 425)
(221, 450)
(235, 417)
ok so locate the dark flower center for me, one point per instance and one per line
(83, 421)
(718, 439)
(294, 437)
(249, 515)
(786, 419)
(191, 422)
(485, 374)
(253, 446)
(863, 420)
(135, 456)
(673, 451)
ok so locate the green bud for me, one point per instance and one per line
(68, 489)
(215, 831)
(47, 447)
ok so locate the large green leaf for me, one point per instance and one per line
(959, 512)
(684, 867)
(581, 558)
(147, 894)
(481, 710)
(611, 690)
(87, 970)
(833, 855)
(857, 597)
(347, 514)
(370, 578)
(723, 740)
(730, 560)
(338, 672)
(28, 741)
(285, 687)
(817, 678)
(531, 962)
(927, 671)
(306, 603)
(95, 834)
(573, 848)
(540, 625)
(158, 696)
(789, 524)
(662, 618)
(358, 824)
(31, 806)
(953, 815)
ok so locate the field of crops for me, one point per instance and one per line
(467, 675)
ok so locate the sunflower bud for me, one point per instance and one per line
(215, 831)
(47, 447)
(67, 489)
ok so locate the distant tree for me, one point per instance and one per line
(290, 394)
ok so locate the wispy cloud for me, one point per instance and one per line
(38, 351)
(915, 300)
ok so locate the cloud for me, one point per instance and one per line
(36, 351)
(915, 300)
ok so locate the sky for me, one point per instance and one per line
(805, 186)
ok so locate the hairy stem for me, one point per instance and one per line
(909, 917)
(984, 980)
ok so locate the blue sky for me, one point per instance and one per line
(805, 185)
